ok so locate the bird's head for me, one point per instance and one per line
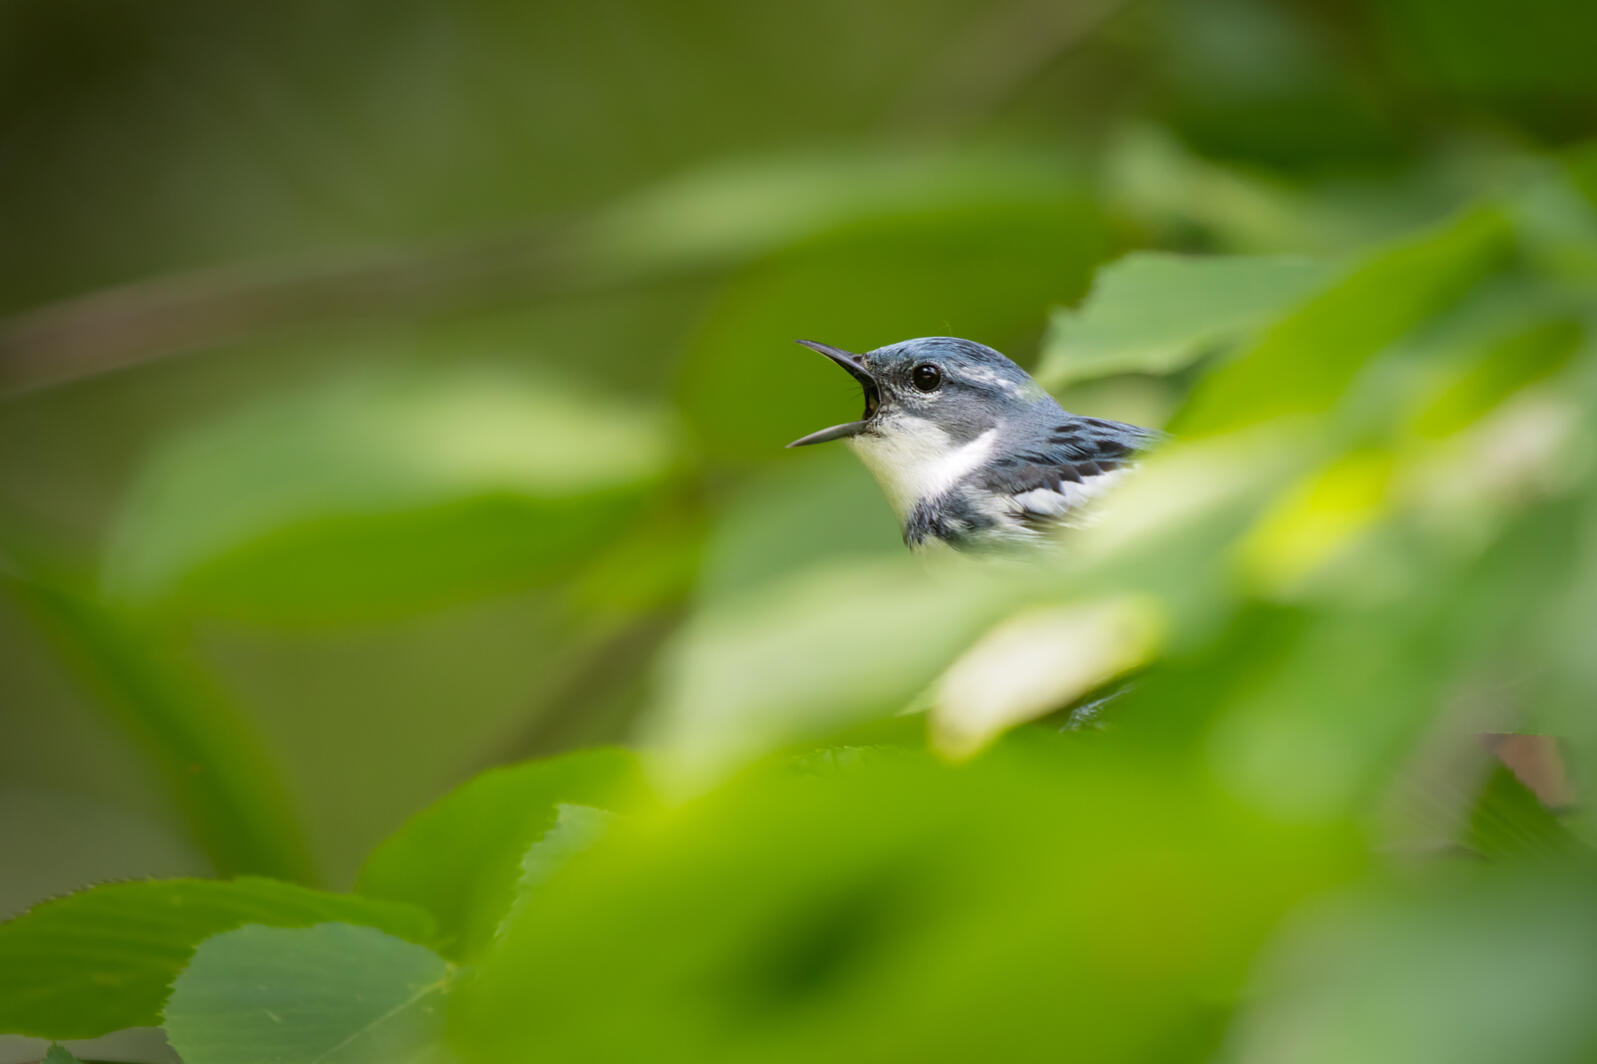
(957, 386)
(929, 406)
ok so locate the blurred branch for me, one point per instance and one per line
(148, 320)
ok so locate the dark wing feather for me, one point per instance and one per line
(1057, 470)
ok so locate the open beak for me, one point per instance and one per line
(873, 395)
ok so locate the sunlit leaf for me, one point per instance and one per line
(1316, 521)
(104, 958)
(330, 994)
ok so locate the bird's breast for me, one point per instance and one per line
(915, 461)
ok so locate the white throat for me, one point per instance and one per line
(914, 460)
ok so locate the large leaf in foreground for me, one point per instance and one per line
(1154, 312)
(104, 959)
(461, 857)
(329, 994)
(1047, 894)
(371, 495)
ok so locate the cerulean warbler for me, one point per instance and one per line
(970, 450)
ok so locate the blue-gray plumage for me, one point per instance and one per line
(970, 450)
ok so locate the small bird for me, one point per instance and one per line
(971, 451)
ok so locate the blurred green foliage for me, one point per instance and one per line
(392, 392)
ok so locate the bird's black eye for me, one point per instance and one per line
(926, 377)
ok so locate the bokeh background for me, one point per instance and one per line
(391, 391)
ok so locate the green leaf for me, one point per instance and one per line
(369, 496)
(461, 858)
(59, 1055)
(742, 677)
(1509, 821)
(575, 829)
(104, 958)
(329, 994)
(724, 213)
(1155, 312)
(1307, 360)
(904, 909)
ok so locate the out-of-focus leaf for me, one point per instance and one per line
(379, 494)
(1036, 662)
(735, 211)
(1153, 312)
(1153, 177)
(59, 1055)
(330, 994)
(1475, 967)
(1532, 352)
(903, 909)
(1316, 521)
(103, 959)
(1305, 362)
(827, 647)
(461, 858)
